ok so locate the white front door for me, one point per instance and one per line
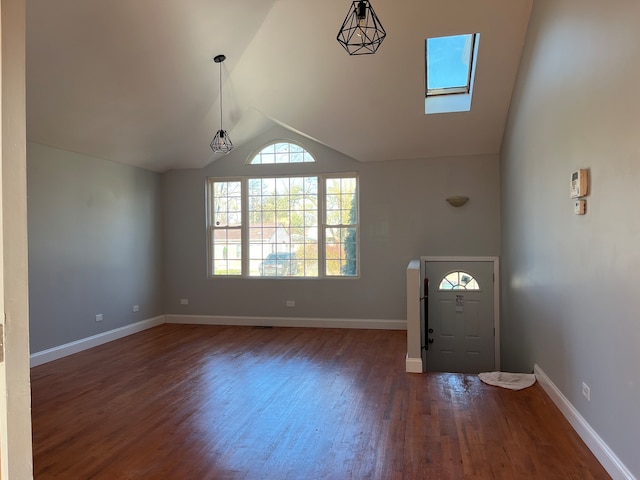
(459, 316)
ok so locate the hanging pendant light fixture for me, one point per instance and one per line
(221, 143)
(361, 32)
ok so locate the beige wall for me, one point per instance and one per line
(570, 283)
(95, 245)
(403, 216)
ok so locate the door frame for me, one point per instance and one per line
(496, 299)
(16, 457)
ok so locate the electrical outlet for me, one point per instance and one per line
(184, 301)
(291, 303)
(99, 317)
(136, 308)
(586, 391)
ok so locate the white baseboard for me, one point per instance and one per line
(288, 322)
(61, 351)
(413, 365)
(598, 447)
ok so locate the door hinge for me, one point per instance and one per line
(2, 342)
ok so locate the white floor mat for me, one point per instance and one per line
(512, 381)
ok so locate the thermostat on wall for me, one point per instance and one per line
(580, 183)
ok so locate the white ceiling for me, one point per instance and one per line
(133, 81)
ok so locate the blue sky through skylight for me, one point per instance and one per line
(449, 61)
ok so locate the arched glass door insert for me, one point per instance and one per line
(458, 280)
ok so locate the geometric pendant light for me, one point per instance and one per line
(361, 32)
(221, 143)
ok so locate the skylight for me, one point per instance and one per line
(450, 70)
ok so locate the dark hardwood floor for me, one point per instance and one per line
(205, 402)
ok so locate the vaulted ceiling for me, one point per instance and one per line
(134, 81)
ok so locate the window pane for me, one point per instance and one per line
(350, 242)
(449, 61)
(281, 152)
(333, 217)
(341, 201)
(297, 202)
(311, 221)
(341, 216)
(348, 185)
(333, 267)
(340, 251)
(226, 220)
(269, 149)
(333, 201)
(226, 252)
(311, 268)
(296, 184)
(297, 234)
(282, 226)
(311, 185)
(227, 204)
(268, 186)
(282, 186)
(254, 185)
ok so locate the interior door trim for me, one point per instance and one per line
(496, 293)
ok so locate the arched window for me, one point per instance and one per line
(458, 281)
(281, 152)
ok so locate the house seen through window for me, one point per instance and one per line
(283, 226)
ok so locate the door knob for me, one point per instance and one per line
(430, 340)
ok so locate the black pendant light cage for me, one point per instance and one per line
(361, 32)
(221, 143)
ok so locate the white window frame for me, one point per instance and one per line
(326, 225)
(244, 227)
(211, 228)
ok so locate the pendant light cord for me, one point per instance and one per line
(221, 143)
(221, 96)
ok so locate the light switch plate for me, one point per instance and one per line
(580, 207)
